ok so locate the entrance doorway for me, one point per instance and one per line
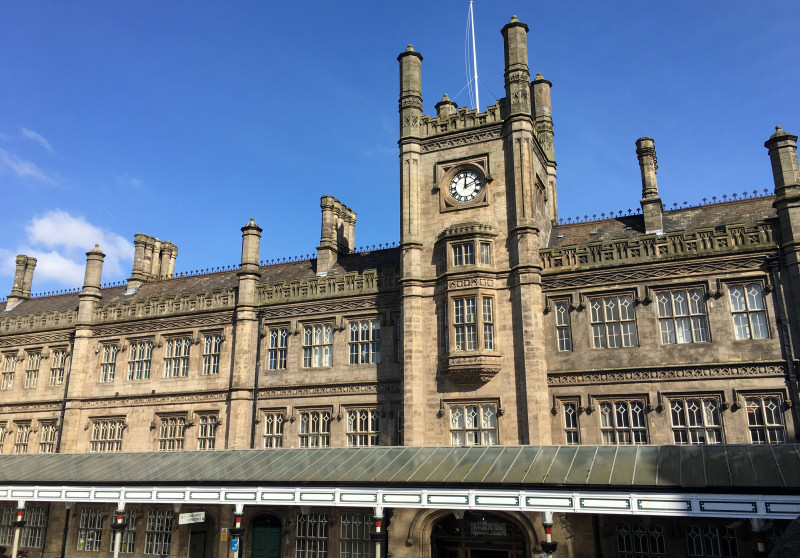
(201, 539)
(477, 535)
(265, 541)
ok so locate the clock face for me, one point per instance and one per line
(465, 186)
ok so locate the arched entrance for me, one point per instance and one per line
(265, 541)
(477, 535)
(201, 538)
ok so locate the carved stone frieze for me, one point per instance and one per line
(332, 389)
(464, 119)
(331, 307)
(734, 239)
(36, 339)
(470, 371)
(467, 283)
(146, 400)
(368, 282)
(696, 268)
(217, 319)
(661, 374)
(29, 407)
(36, 322)
(465, 139)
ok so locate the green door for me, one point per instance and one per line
(266, 538)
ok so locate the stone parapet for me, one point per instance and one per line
(370, 281)
(463, 119)
(646, 248)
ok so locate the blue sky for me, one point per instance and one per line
(183, 119)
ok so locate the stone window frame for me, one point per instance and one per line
(366, 432)
(22, 435)
(354, 535)
(90, 528)
(652, 534)
(48, 435)
(34, 359)
(687, 430)
(626, 429)
(212, 351)
(480, 324)
(355, 348)
(277, 342)
(318, 437)
(177, 365)
(774, 432)
(109, 354)
(102, 428)
(140, 366)
(689, 315)
(489, 434)
(562, 307)
(570, 407)
(748, 312)
(3, 432)
(273, 432)
(710, 540)
(171, 431)
(604, 296)
(308, 348)
(207, 423)
(311, 534)
(10, 360)
(127, 538)
(58, 365)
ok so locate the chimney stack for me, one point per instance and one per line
(250, 270)
(651, 202)
(338, 233)
(90, 294)
(23, 278)
(517, 75)
(152, 259)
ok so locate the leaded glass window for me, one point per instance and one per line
(9, 367)
(708, 541)
(749, 314)
(127, 539)
(108, 367)
(563, 332)
(696, 420)
(765, 420)
(623, 422)
(170, 434)
(315, 429)
(57, 365)
(466, 329)
(365, 341)
(273, 429)
(571, 431)
(312, 535)
(318, 345)
(362, 427)
(21, 440)
(107, 435)
(682, 317)
(613, 322)
(278, 343)
(473, 425)
(640, 541)
(90, 530)
(176, 357)
(48, 431)
(354, 540)
(32, 371)
(139, 355)
(211, 350)
(158, 536)
(207, 432)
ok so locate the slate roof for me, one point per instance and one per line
(749, 212)
(220, 281)
(698, 468)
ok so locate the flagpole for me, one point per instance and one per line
(474, 57)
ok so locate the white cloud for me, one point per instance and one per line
(23, 168)
(59, 241)
(31, 135)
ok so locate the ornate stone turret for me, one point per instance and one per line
(338, 234)
(517, 76)
(651, 202)
(250, 270)
(23, 278)
(543, 126)
(446, 107)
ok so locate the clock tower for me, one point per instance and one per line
(478, 199)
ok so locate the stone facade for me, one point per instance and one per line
(491, 323)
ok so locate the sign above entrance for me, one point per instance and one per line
(194, 517)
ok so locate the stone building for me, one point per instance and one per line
(498, 382)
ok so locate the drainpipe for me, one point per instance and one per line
(64, 402)
(255, 381)
(68, 505)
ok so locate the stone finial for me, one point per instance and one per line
(446, 107)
